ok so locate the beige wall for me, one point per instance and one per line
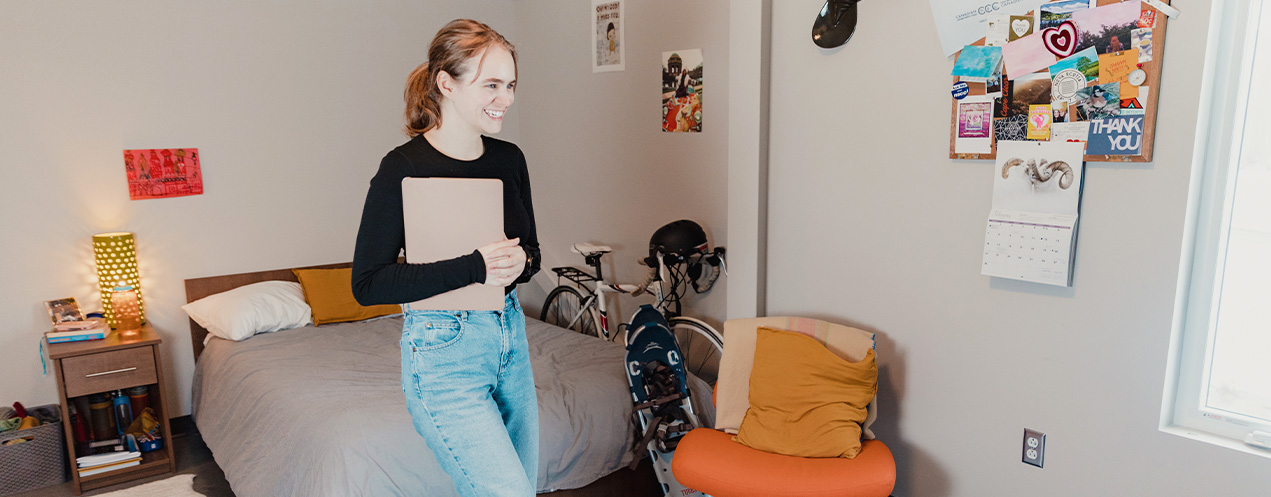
(602, 169)
(291, 104)
(872, 225)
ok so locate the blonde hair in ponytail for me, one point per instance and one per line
(456, 43)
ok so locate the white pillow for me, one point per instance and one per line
(247, 310)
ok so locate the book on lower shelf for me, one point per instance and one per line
(104, 463)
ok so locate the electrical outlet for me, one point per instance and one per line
(1034, 447)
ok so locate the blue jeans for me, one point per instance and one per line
(470, 391)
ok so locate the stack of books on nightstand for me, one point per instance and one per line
(110, 461)
(75, 331)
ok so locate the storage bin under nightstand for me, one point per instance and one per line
(36, 463)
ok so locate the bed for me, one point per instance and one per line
(319, 411)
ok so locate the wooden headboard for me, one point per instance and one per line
(198, 288)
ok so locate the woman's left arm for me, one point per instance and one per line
(529, 240)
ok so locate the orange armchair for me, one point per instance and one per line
(709, 461)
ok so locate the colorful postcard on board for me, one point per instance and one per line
(162, 173)
(1051, 15)
(1033, 89)
(1086, 61)
(993, 87)
(1014, 128)
(1122, 135)
(607, 33)
(682, 91)
(1142, 40)
(1097, 102)
(975, 126)
(1021, 26)
(1027, 55)
(1107, 28)
(1002, 104)
(978, 62)
(1136, 106)
(1039, 122)
(1116, 68)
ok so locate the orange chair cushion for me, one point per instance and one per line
(804, 400)
(709, 461)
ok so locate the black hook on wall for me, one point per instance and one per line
(835, 23)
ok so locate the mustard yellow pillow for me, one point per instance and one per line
(330, 295)
(804, 400)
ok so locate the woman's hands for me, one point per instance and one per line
(504, 262)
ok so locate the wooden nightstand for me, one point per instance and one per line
(114, 363)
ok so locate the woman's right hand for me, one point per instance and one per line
(502, 260)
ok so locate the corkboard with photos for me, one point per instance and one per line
(1106, 47)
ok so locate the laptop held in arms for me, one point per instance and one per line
(447, 218)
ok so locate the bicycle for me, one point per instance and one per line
(568, 307)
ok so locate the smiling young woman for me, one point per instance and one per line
(466, 374)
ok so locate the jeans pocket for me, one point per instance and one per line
(435, 332)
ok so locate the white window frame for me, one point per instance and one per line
(1225, 87)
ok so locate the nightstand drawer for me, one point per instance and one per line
(113, 370)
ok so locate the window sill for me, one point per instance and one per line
(1219, 440)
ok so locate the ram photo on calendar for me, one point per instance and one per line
(1038, 177)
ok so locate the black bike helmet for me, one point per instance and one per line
(681, 238)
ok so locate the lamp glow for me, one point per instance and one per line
(116, 255)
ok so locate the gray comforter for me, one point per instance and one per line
(318, 411)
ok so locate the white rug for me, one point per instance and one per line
(177, 486)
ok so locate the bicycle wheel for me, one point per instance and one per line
(565, 306)
(701, 346)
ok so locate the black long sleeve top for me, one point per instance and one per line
(378, 277)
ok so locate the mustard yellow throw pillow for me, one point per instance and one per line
(804, 400)
(330, 295)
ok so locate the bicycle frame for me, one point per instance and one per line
(597, 298)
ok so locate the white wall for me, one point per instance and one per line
(291, 104)
(602, 169)
(872, 225)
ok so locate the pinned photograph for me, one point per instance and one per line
(1059, 111)
(978, 62)
(606, 36)
(993, 87)
(1107, 28)
(682, 91)
(1142, 40)
(1086, 61)
(1030, 90)
(1051, 15)
(1097, 102)
(1021, 26)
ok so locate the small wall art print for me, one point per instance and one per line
(163, 173)
(607, 31)
(682, 91)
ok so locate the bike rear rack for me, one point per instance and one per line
(574, 274)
